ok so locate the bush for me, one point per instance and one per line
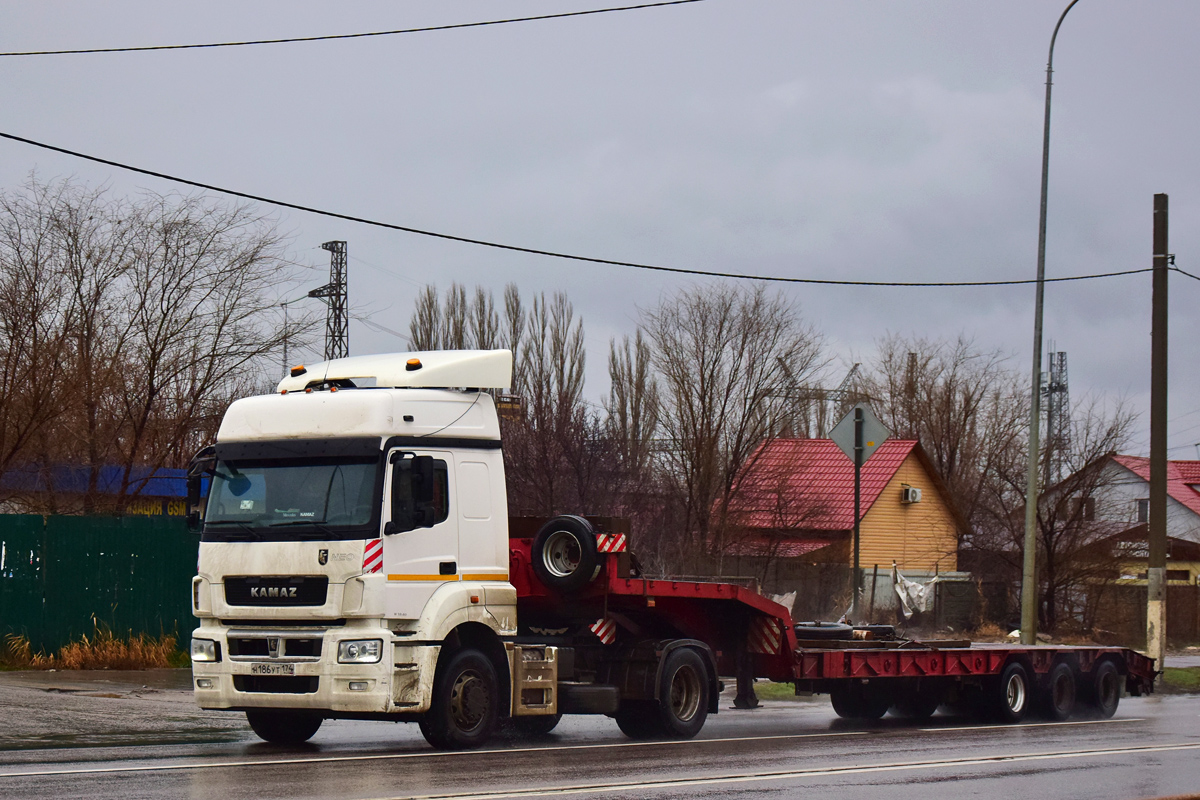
(102, 650)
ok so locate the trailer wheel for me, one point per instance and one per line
(917, 705)
(283, 727)
(1104, 693)
(1058, 695)
(465, 704)
(853, 702)
(564, 553)
(1009, 698)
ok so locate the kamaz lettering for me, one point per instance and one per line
(273, 591)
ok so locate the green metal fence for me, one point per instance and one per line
(59, 576)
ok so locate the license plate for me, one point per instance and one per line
(272, 669)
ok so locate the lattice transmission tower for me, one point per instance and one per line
(334, 293)
(1056, 399)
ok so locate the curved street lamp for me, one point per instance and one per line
(1029, 598)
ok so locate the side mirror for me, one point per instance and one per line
(202, 464)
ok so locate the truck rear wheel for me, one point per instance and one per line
(1058, 695)
(1009, 696)
(564, 553)
(1104, 692)
(465, 705)
(283, 727)
(682, 707)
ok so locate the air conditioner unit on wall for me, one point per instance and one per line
(910, 494)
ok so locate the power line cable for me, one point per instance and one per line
(552, 253)
(332, 37)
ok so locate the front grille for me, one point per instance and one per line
(276, 684)
(304, 590)
(258, 646)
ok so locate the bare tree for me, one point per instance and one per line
(967, 406)
(164, 308)
(722, 352)
(36, 320)
(425, 326)
(632, 405)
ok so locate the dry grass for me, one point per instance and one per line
(102, 650)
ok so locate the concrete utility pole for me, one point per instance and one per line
(1156, 576)
(1029, 600)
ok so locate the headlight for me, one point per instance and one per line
(205, 650)
(360, 651)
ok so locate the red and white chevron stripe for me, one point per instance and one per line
(605, 630)
(766, 634)
(610, 543)
(373, 556)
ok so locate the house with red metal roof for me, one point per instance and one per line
(1124, 495)
(795, 500)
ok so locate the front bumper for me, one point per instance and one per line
(297, 668)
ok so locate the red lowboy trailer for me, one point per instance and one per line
(614, 628)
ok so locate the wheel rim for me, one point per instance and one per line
(1014, 694)
(685, 693)
(469, 701)
(562, 554)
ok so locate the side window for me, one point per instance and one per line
(420, 492)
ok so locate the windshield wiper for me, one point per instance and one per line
(312, 523)
(245, 526)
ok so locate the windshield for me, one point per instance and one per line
(258, 496)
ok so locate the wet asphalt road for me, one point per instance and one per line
(137, 735)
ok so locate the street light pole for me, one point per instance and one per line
(1029, 601)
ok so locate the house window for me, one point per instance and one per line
(1143, 510)
(1085, 508)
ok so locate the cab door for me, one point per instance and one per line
(420, 541)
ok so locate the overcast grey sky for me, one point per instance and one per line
(840, 138)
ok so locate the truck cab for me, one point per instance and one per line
(355, 524)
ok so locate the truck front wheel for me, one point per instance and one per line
(465, 704)
(283, 727)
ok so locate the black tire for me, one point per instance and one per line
(683, 693)
(682, 706)
(856, 702)
(533, 727)
(1057, 699)
(1104, 690)
(464, 709)
(564, 556)
(639, 720)
(917, 705)
(823, 630)
(283, 727)
(846, 704)
(1009, 696)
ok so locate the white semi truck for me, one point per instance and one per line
(357, 561)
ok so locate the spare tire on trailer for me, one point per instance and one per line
(823, 630)
(564, 556)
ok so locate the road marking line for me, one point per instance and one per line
(1002, 727)
(420, 754)
(676, 783)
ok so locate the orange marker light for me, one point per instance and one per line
(413, 364)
